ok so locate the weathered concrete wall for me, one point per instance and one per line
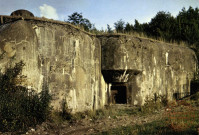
(59, 56)
(147, 67)
(71, 63)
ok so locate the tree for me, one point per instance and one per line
(137, 26)
(162, 25)
(188, 25)
(109, 30)
(119, 26)
(86, 24)
(77, 19)
(128, 28)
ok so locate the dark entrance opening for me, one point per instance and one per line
(118, 94)
(194, 87)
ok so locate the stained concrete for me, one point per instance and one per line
(80, 68)
(148, 67)
(59, 56)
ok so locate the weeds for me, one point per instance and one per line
(153, 128)
(93, 115)
(20, 107)
(150, 106)
(182, 116)
(154, 104)
(180, 119)
(66, 115)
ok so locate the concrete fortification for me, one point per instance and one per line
(88, 71)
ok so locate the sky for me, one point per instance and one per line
(99, 12)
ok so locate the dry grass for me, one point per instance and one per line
(182, 116)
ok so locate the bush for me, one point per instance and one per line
(154, 104)
(20, 107)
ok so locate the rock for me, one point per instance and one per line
(32, 130)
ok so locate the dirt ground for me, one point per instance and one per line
(89, 126)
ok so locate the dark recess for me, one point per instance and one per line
(118, 94)
(194, 87)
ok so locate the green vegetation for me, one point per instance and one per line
(159, 127)
(154, 104)
(100, 114)
(182, 29)
(20, 107)
(119, 26)
(77, 19)
(180, 118)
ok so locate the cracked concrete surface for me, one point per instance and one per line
(71, 62)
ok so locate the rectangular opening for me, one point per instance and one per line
(176, 96)
(118, 94)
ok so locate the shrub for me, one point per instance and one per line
(154, 104)
(20, 107)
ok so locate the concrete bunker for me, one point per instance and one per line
(89, 71)
(140, 65)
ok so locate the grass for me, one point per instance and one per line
(106, 112)
(159, 127)
(150, 107)
(172, 126)
(142, 35)
(181, 118)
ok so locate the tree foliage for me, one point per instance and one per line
(183, 27)
(162, 25)
(128, 28)
(109, 30)
(119, 26)
(77, 19)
